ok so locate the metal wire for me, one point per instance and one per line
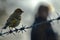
(23, 27)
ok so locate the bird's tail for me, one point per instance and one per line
(5, 27)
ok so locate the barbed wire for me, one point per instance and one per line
(24, 27)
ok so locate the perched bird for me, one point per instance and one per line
(14, 19)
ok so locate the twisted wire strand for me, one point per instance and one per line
(23, 28)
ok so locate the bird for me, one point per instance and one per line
(14, 19)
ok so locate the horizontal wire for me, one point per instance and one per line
(23, 28)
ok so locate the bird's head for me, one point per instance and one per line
(19, 11)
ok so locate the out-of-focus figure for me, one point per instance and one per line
(43, 31)
(14, 19)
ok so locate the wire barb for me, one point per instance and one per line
(24, 27)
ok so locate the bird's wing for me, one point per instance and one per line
(19, 18)
(11, 20)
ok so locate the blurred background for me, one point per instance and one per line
(29, 7)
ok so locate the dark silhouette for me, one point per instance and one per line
(43, 31)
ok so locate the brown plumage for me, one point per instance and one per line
(14, 19)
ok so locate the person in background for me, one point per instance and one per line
(43, 31)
